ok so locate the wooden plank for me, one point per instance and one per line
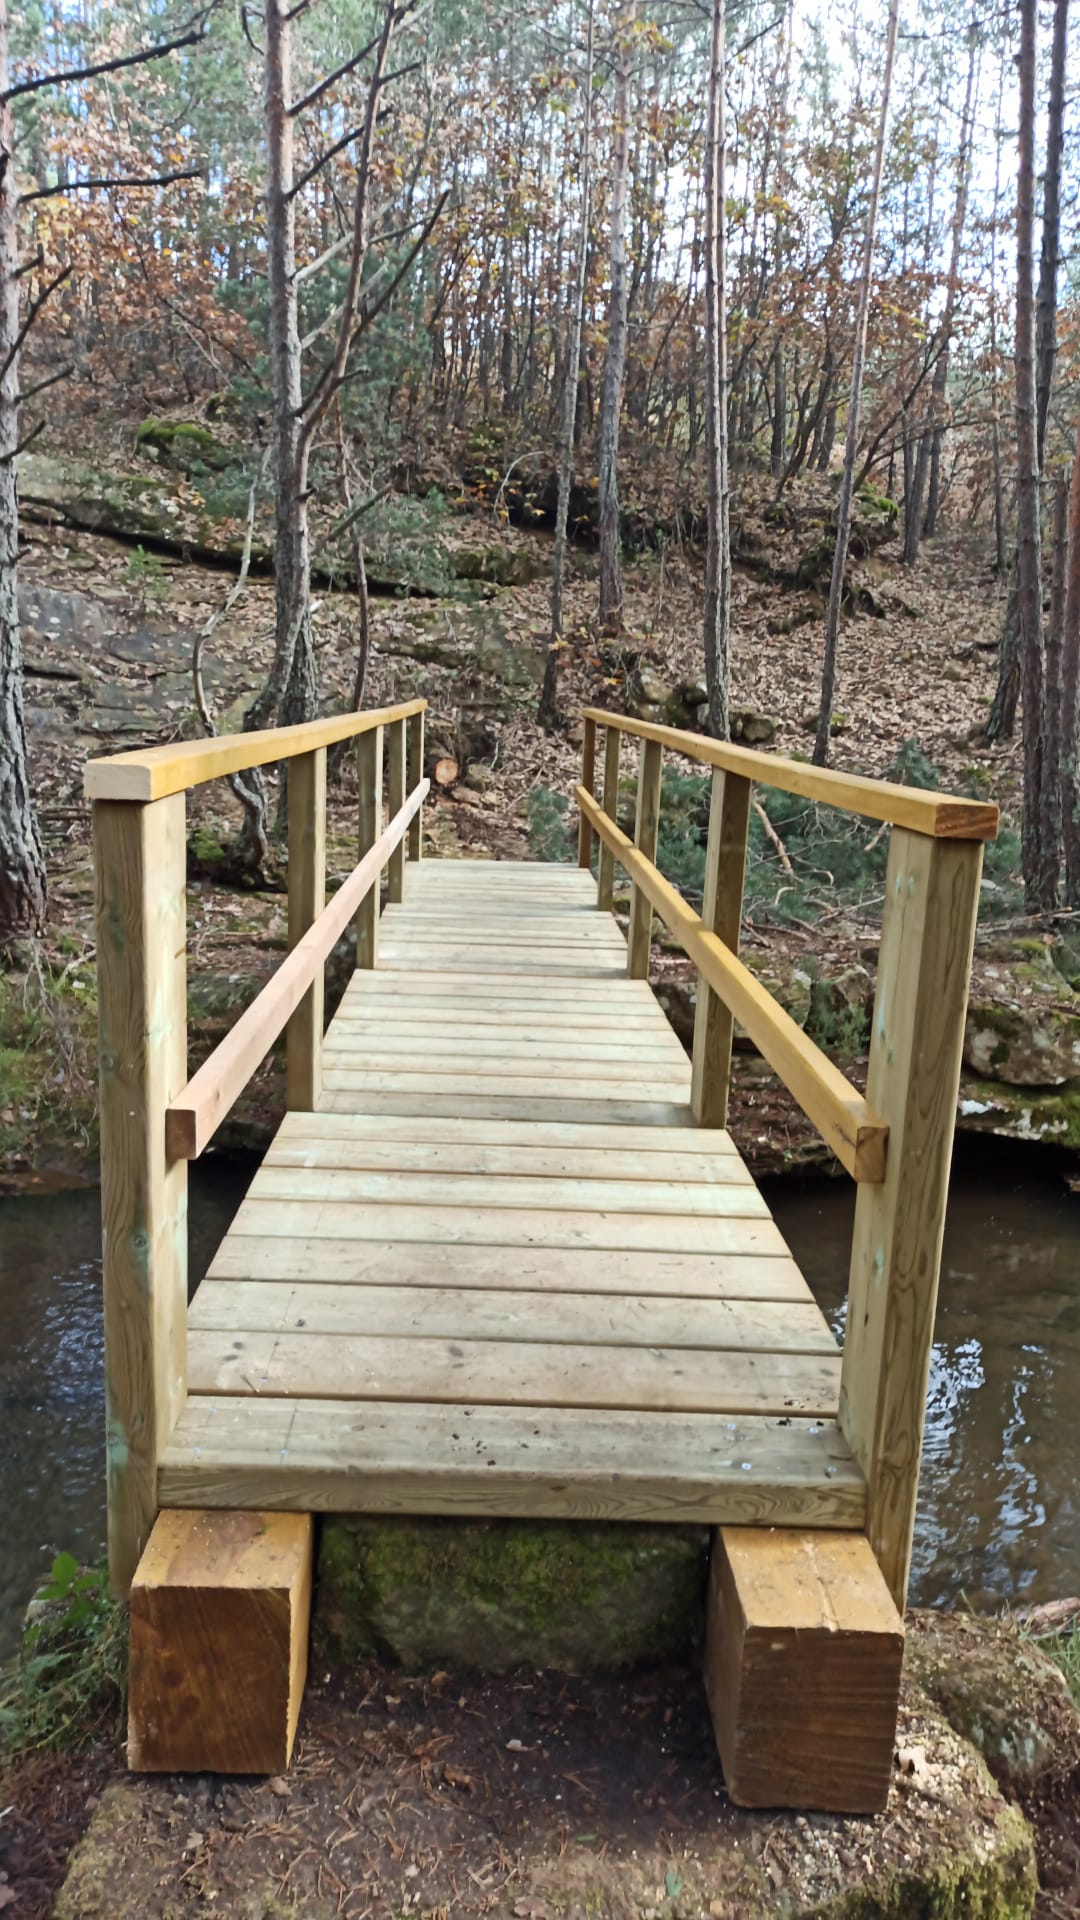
(600, 966)
(846, 1122)
(721, 913)
(371, 1045)
(307, 898)
(942, 816)
(197, 1111)
(538, 1162)
(802, 1669)
(351, 1263)
(620, 1040)
(395, 798)
(501, 1063)
(508, 1227)
(475, 1313)
(405, 1188)
(401, 989)
(140, 862)
(219, 1637)
(646, 829)
(517, 1106)
(588, 779)
(151, 773)
(369, 779)
(535, 1463)
(916, 1040)
(605, 879)
(667, 1085)
(498, 1373)
(308, 1128)
(414, 757)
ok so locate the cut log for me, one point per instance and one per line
(445, 771)
(220, 1606)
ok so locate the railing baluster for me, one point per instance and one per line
(140, 857)
(605, 877)
(369, 774)
(725, 868)
(588, 781)
(646, 828)
(307, 897)
(395, 777)
(415, 765)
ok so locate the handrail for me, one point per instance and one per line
(838, 1110)
(941, 816)
(192, 1119)
(154, 772)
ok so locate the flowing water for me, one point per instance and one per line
(999, 1512)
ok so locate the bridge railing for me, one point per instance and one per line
(153, 1118)
(896, 1140)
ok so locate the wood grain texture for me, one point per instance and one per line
(916, 1041)
(802, 1669)
(152, 773)
(942, 816)
(721, 914)
(605, 879)
(414, 760)
(508, 1227)
(307, 898)
(395, 800)
(588, 779)
(646, 830)
(140, 862)
(220, 1606)
(369, 780)
(404, 1188)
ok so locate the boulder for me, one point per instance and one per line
(838, 1017)
(1000, 1692)
(499, 566)
(751, 728)
(185, 445)
(646, 690)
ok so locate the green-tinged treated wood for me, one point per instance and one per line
(721, 913)
(578, 1464)
(152, 773)
(307, 898)
(916, 1041)
(361, 1131)
(414, 731)
(395, 783)
(369, 776)
(588, 780)
(605, 878)
(846, 1121)
(943, 816)
(646, 830)
(447, 1189)
(139, 859)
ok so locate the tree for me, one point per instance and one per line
(1070, 697)
(718, 550)
(611, 399)
(847, 481)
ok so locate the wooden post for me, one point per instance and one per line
(140, 857)
(646, 828)
(395, 796)
(307, 897)
(605, 878)
(725, 868)
(369, 775)
(415, 762)
(924, 965)
(588, 780)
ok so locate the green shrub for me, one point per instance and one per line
(549, 830)
(67, 1683)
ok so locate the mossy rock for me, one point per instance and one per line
(839, 1014)
(1033, 1043)
(1001, 1693)
(499, 566)
(1043, 1116)
(497, 1595)
(184, 445)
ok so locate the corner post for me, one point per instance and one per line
(415, 773)
(725, 870)
(646, 829)
(140, 862)
(369, 776)
(924, 966)
(588, 781)
(307, 897)
(395, 800)
(605, 876)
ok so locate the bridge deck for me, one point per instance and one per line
(500, 1271)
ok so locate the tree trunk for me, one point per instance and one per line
(851, 447)
(611, 591)
(718, 553)
(1046, 304)
(22, 860)
(1070, 700)
(547, 709)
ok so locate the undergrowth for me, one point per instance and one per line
(1064, 1650)
(67, 1683)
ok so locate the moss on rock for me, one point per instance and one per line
(1001, 1693)
(501, 1594)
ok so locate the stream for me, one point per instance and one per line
(999, 1511)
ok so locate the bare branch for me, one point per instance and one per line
(249, 36)
(324, 259)
(50, 380)
(189, 38)
(331, 80)
(35, 261)
(338, 147)
(35, 308)
(7, 458)
(122, 180)
(348, 520)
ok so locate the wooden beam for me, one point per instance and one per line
(847, 1123)
(196, 1112)
(605, 882)
(803, 1651)
(588, 779)
(369, 775)
(942, 816)
(916, 1040)
(646, 829)
(307, 898)
(721, 913)
(220, 1607)
(395, 755)
(153, 772)
(414, 733)
(139, 860)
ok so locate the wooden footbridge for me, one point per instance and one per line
(503, 1258)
